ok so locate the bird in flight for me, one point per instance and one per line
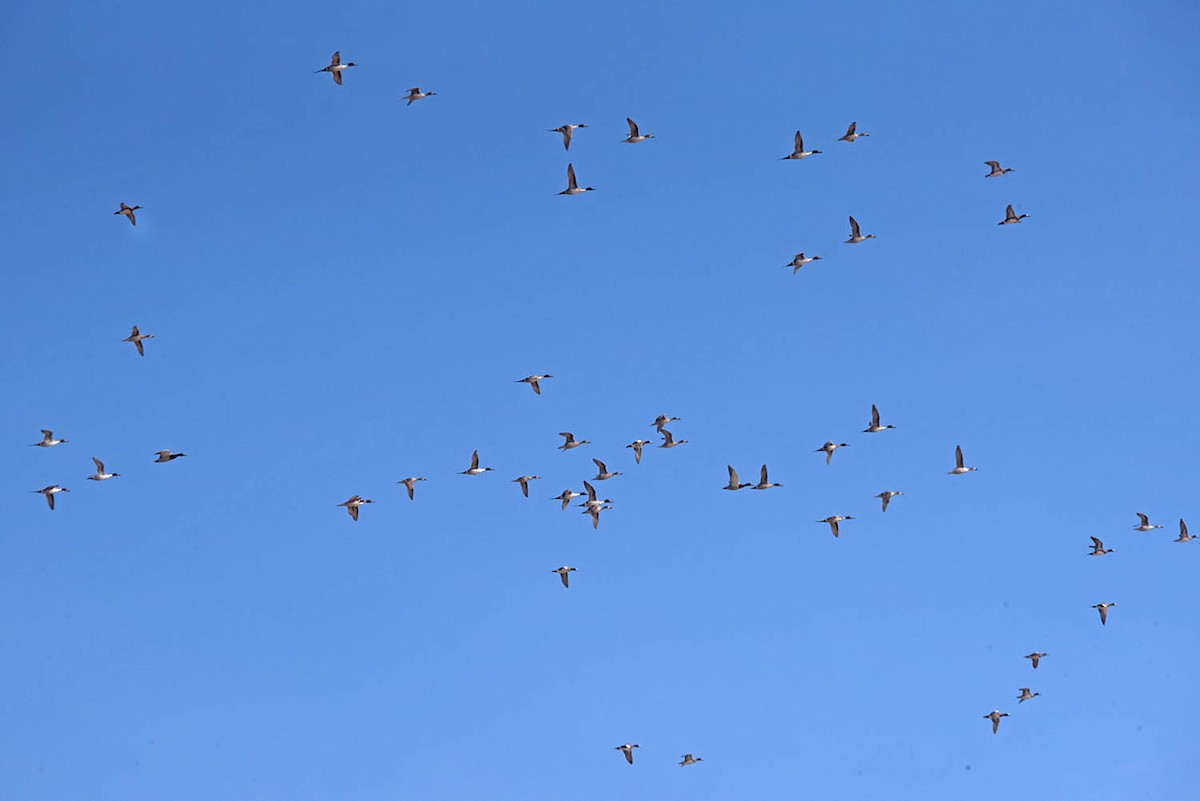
(49, 492)
(409, 482)
(48, 440)
(524, 482)
(628, 750)
(128, 212)
(336, 66)
(996, 171)
(416, 94)
(1010, 217)
(851, 133)
(532, 381)
(475, 469)
(353, 504)
(567, 132)
(136, 338)
(798, 151)
(994, 716)
(573, 185)
(100, 475)
(563, 572)
(634, 135)
(856, 234)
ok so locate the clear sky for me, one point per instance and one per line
(343, 288)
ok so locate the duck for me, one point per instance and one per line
(1035, 657)
(959, 469)
(851, 133)
(1010, 217)
(475, 469)
(1103, 608)
(48, 440)
(532, 381)
(524, 482)
(1098, 548)
(604, 474)
(409, 484)
(856, 235)
(886, 497)
(637, 446)
(128, 211)
(829, 447)
(688, 759)
(669, 440)
(100, 474)
(875, 427)
(662, 420)
(566, 497)
(563, 572)
(571, 441)
(136, 338)
(634, 135)
(567, 132)
(798, 151)
(595, 511)
(572, 185)
(833, 521)
(50, 491)
(628, 751)
(733, 480)
(762, 480)
(1026, 695)
(336, 66)
(416, 94)
(996, 171)
(994, 716)
(353, 504)
(799, 260)
(1183, 532)
(1145, 524)
(166, 456)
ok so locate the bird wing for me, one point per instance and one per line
(995, 165)
(885, 498)
(475, 460)
(566, 132)
(99, 465)
(337, 78)
(629, 751)
(536, 389)
(874, 416)
(1145, 520)
(591, 491)
(47, 434)
(571, 183)
(49, 498)
(733, 476)
(799, 143)
(633, 134)
(1182, 528)
(410, 486)
(958, 457)
(525, 488)
(336, 59)
(137, 343)
(600, 465)
(353, 510)
(1009, 214)
(833, 524)
(1097, 544)
(668, 437)
(850, 130)
(854, 229)
(762, 475)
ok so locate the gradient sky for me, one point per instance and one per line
(342, 290)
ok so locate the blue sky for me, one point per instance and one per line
(343, 289)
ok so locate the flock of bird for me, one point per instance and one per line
(593, 505)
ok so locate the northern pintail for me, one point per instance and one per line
(829, 447)
(48, 440)
(571, 442)
(595, 511)
(851, 133)
(567, 132)
(128, 212)
(563, 572)
(688, 759)
(799, 260)
(996, 171)
(733, 480)
(662, 420)
(798, 151)
(524, 482)
(566, 497)
(762, 480)
(1183, 533)
(1102, 608)
(336, 66)
(475, 469)
(833, 521)
(416, 94)
(532, 381)
(1035, 657)
(875, 427)
(628, 751)
(994, 716)
(669, 440)
(886, 497)
(604, 474)
(634, 135)
(136, 338)
(100, 475)
(637, 446)
(409, 484)
(1145, 524)
(49, 493)
(353, 504)
(1010, 217)
(959, 469)
(1026, 695)
(573, 185)
(856, 234)
(1098, 548)
(166, 456)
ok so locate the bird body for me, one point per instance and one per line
(688, 759)
(1026, 695)
(166, 456)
